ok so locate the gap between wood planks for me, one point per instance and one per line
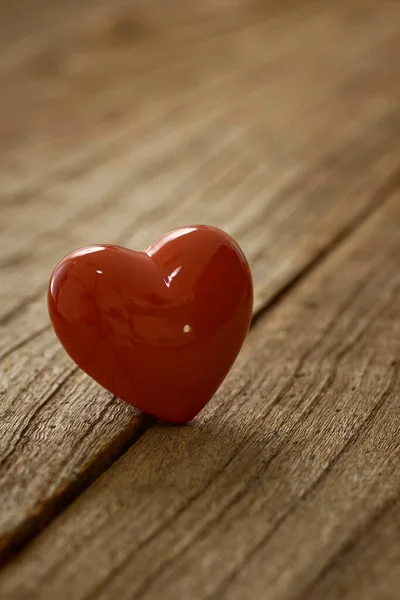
(382, 194)
(329, 344)
(338, 81)
(68, 495)
(39, 513)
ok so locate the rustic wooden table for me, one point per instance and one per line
(278, 121)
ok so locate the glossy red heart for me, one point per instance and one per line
(160, 329)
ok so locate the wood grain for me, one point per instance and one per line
(367, 566)
(77, 175)
(278, 480)
(276, 121)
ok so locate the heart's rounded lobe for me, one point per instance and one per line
(159, 329)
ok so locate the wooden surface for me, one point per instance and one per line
(280, 123)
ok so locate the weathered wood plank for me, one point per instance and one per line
(368, 565)
(125, 135)
(173, 132)
(284, 470)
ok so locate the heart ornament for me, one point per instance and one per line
(160, 329)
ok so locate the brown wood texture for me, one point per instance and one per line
(280, 123)
(288, 473)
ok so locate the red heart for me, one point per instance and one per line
(161, 328)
